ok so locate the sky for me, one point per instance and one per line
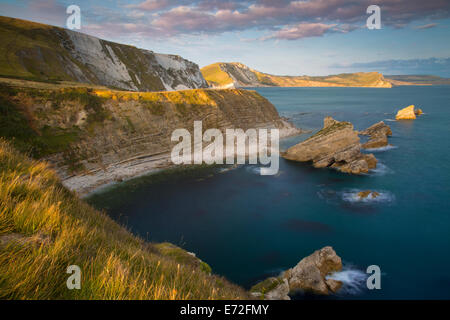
(282, 37)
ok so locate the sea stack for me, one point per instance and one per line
(336, 146)
(408, 113)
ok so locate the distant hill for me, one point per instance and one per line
(234, 74)
(40, 52)
(417, 80)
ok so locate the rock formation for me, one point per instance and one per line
(378, 133)
(368, 194)
(408, 113)
(418, 112)
(109, 135)
(337, 146)
(43, 52)
(309, 275)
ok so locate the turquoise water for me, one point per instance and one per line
(248, 226)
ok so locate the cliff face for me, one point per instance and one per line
(94, 136)
(238, 75)
(41, 52)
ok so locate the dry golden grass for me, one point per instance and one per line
(44, 228)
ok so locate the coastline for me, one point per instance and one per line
(88, 183)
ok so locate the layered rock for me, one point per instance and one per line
(408, 113)
(336, 146)
(378, 133)
(309, 275)
(107, 135)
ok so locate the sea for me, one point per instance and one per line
(248, 227)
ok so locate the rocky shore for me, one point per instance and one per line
(309, 275)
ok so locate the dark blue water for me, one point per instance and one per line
(248, 226)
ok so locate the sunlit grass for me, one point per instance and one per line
(44, 228)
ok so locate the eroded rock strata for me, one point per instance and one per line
(336, 146)
(97, 136)
(309, 275)
(378, 134)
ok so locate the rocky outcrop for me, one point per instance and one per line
(378, 133)
(43, 52)
(309, 275)
(408, 113)
(367, 194)
(235, 74)
(336, 146)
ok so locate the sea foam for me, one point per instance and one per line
(353, 197)
(353, 280)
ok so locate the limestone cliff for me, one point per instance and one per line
(236, 75)
(36, 51)
(94, 135)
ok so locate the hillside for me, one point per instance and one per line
(41, 52)
(230, 75)
(94, 135)
(44, 228)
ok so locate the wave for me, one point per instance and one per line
(229, 168)
(381, 170)
(353, 197)
(382, 149)
(390, 120)
(353, 280)
(253, 169)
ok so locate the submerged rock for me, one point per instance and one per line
(418, 112)
(308, 275)
(378, 133)
(366, 194)
(337, 146)
(407, 113)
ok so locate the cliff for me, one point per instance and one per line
(41, 52)
(93, 136)
(238, 75)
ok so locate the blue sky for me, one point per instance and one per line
(313, 37)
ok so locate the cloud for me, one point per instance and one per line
(151, 5)
(222, 16)
(301, 30)
(426, 26)
(283, 19)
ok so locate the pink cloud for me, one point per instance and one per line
(301, 30)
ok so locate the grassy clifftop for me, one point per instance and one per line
(44, 228)
(239, 75)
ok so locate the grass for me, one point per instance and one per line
(44, 228)
(214, 75)
(17, 125)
